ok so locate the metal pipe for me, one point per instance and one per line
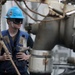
(47, 35)
(45, 40)
(32, 28)
(52, 33)
(56, 32)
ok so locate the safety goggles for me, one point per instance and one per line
(17, 21)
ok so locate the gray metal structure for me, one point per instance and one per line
(49, 34)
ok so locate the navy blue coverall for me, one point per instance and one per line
(6, 67)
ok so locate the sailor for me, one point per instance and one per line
(15, 40)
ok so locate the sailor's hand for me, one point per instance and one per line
(5, 57)
(22, 56)
(24, 48)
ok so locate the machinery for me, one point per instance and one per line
(57, 27)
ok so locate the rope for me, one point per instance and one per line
(40, 20)
(33, 11)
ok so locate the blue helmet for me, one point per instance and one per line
(14, 12)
